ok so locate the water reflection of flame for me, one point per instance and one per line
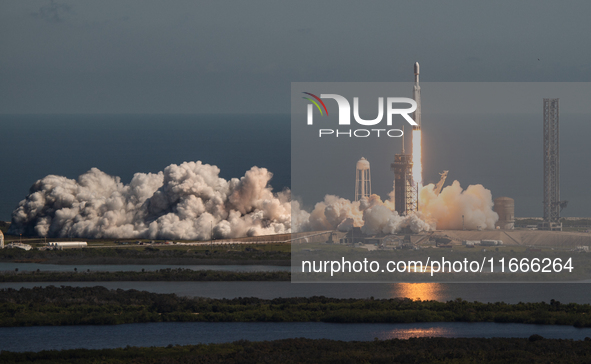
(422, 291)
(407, 333)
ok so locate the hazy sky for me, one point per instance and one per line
(127, 56)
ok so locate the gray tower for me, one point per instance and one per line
(405, 191)
(552, 203)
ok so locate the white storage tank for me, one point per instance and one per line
(505, 208)
(362, 179)
(471, 242)
(68, 244)
(488, 243)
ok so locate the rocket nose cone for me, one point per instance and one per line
(416, 68)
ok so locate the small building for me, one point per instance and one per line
(551, 226)
(60, 245)
(374, 240)
(353, 236)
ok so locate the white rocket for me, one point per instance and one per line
(416, 95)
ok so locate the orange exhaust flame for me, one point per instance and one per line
(417, 168)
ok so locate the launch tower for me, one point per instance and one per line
(405, 192)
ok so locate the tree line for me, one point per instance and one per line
(99, 306)
(415, 350)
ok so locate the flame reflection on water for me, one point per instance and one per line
(407, 333)
(416, 291)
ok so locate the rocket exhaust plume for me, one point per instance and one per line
(184, 201)
(447, 208)
(417, 167)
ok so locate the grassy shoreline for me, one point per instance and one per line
(151, 261)
(252, 254)
(167, 274)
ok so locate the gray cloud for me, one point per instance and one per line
(53, 12)
(196, 56)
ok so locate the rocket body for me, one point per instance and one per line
(416, 95)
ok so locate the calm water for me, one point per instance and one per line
(481, 292)
(28, 267)
(164, 333)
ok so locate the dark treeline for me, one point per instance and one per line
(168, 274)
(98, 305)
(415, 350)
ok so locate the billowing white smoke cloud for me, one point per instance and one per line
(186, 201)
(443, 211)
(373, 216)
(182, 202)
(447, 209)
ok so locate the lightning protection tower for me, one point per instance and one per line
(551, 201)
